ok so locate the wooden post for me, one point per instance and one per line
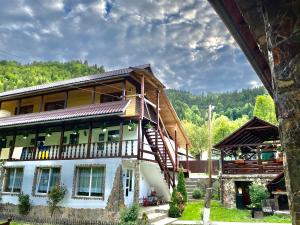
(89, 140)
(142, 144)
(139, 138)
(121, 139)
(13, 145)
(157, 119)
(187, 157)
(259, 163)
(18, 107)
(61, 144)
(94, 95)
(142, 97)
(41, 104)
(66, 99)
(222, 160)
(124, 90)
(176, 151)
(35, 144)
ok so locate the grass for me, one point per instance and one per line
(219, 213)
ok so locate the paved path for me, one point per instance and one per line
(178, 222)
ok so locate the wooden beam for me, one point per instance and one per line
(35, 144)
(187, 157)
(61, 144)
(41, 103)
(121, 139)
(89, 139)
(142, 97)
(124, 90)
(66, 99)
(94, 95)
(13, 145)
(18, 106)
(176, 151)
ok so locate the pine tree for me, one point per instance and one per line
(181, 185)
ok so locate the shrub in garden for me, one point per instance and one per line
(181, 185)
(257, 194)
(129, 216)
(198, 193)
(24, 204)
(176, 204)
(56, 195)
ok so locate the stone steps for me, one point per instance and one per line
(165, 221)
(191, 184)
(155, 217)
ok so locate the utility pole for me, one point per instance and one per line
(208, 194)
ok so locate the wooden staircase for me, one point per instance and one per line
(162, 154)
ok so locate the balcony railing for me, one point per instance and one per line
(252, 167)
(125, 148)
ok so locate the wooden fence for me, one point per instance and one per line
(201, 166)
(54, 221)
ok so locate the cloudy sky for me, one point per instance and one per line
(186, 43)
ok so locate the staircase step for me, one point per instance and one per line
(164, 221)
(154, 217)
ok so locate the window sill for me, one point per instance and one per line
(11, 193)
(87, 198)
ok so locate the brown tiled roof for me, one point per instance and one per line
(90, 111)
(72, 82)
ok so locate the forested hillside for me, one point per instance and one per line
(231, 104)
(16, 75)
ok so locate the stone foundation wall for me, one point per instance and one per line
(63, 213)
(228, 189)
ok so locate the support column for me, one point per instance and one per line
(66, 99)
(259, 163)
(124, 90)
(88, 154)
(61, 144)
(282, 24)
(187, 157)
(18, 106)
(176, 151)
(13, 145)
(121, 139)
(41, 104)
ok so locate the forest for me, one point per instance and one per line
(232, 109)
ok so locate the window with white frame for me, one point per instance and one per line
(90, 181)
(129, 181)
(13, 180)
(47, 179)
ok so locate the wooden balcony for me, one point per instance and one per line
(125, 148)
(252, 167)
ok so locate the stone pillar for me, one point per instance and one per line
(282, 24)
(136, 182)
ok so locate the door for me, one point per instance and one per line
(242, 194)
(128, 187)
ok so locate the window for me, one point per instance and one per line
(113, 135)
(26, 109)
(54, 105)
(74, 139)
(13, 180)
(90, 181)
(110, 97)
(47, 179)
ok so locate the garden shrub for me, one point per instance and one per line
(56, 195)
(176, 204)
(198, 193)
(24, 204)
(129, 216)
(181, 185)
(257, 194)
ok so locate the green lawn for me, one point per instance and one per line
(219, 213)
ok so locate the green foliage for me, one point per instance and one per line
(145, 220)
(24, 205)
(181, 185)
(198, 193)
(15, 75)
(257, 194)
(129, 216)
(265, 108)
(176, 204)
(56, 195)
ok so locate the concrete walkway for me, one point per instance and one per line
(178, 222)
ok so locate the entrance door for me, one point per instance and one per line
(128, 187)
(242, 194)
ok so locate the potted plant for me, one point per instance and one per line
(258, 193)
(131, 126)
(148, 126)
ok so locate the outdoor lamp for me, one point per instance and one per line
(25, 136)
(104, 129)
(49, 134)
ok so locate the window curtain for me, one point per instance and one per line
(44, 178)
(97, 181)
(54, 179)
(83, 181)
(18, 180)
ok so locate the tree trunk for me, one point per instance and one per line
(282, 24)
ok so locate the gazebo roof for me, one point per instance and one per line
(256, 131)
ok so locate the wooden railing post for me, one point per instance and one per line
(260, 166)
(61, 144)
(88, 152)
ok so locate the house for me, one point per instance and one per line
(250, 154)
(89, 133)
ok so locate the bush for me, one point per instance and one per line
(198, 193)
(257, 194)
(129, 216)
(55, 196)
(24, 204)
(181, 185)
(176, 204)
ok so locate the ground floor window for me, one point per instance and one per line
(90, 181)
(47, 179)
(13, 180)
(129, 180)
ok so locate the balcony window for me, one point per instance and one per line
(113, 135)
(47, 179)
(110, 97)
(13, 180)
(49, 106)
(24, 109)
(90, 181)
